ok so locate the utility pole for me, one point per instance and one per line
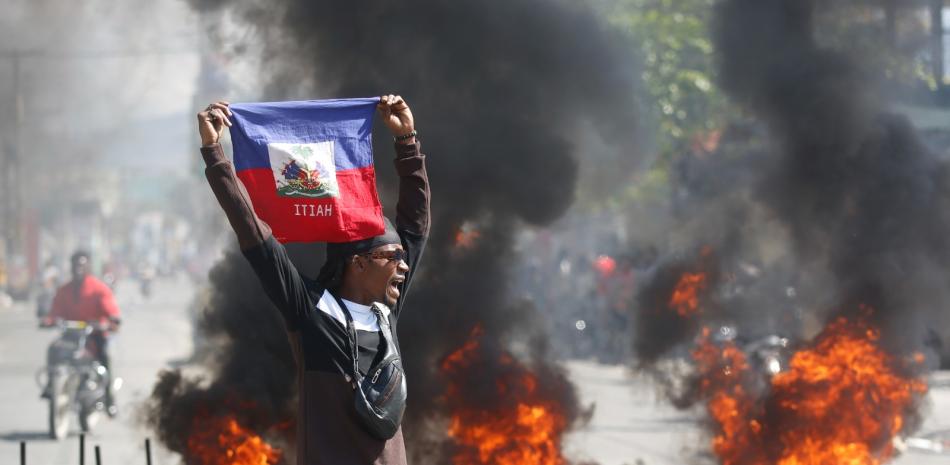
(936, 42)
(12, 208)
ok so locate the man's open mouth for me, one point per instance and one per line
(395, 283)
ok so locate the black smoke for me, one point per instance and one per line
(504, 94)
(852, 184)
(840, 204)
(244, 361)
(853, 196)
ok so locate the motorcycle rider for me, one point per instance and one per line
(88, 299)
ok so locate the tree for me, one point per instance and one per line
(678, 66)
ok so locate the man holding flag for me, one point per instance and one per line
(303, 172)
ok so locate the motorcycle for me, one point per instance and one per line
(74, 379)
(769, 354)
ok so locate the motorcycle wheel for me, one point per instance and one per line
(59, 404)
(89, 416)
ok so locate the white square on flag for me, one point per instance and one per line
(304, 170)
(308, 167)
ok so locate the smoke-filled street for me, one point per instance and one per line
(526, 232)
(631, 422)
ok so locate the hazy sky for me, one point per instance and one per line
(101, 70)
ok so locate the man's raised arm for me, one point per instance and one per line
(278, 275)
(412, 208)
(219, 171)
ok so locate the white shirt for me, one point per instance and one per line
(363, 317)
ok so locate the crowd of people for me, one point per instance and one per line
(585, 282)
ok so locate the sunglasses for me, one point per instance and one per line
(391, 255)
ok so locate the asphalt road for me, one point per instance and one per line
(155, 332)
(631, 425)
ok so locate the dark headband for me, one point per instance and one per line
(339, 250)
(331, 274)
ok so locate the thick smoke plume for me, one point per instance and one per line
(852, 200)
(853, 185)
(504, 94)
(249, 364)
(840, 210)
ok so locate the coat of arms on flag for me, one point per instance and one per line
(303, 170)
(308, 167)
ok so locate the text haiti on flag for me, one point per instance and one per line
(308, 167)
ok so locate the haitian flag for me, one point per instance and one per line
(308, 167)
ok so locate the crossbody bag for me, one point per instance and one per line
(380, 396)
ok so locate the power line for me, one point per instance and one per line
(92, 54)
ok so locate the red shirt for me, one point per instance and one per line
(91, 301)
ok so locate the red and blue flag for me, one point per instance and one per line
(308, 167)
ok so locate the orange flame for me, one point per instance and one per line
(466, 236)
(841, 401)
(524, 429)
(723, 373)
(848, 400)
(685, 298)
(223, 441)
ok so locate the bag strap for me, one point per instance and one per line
(351, 335)
(384, 329)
